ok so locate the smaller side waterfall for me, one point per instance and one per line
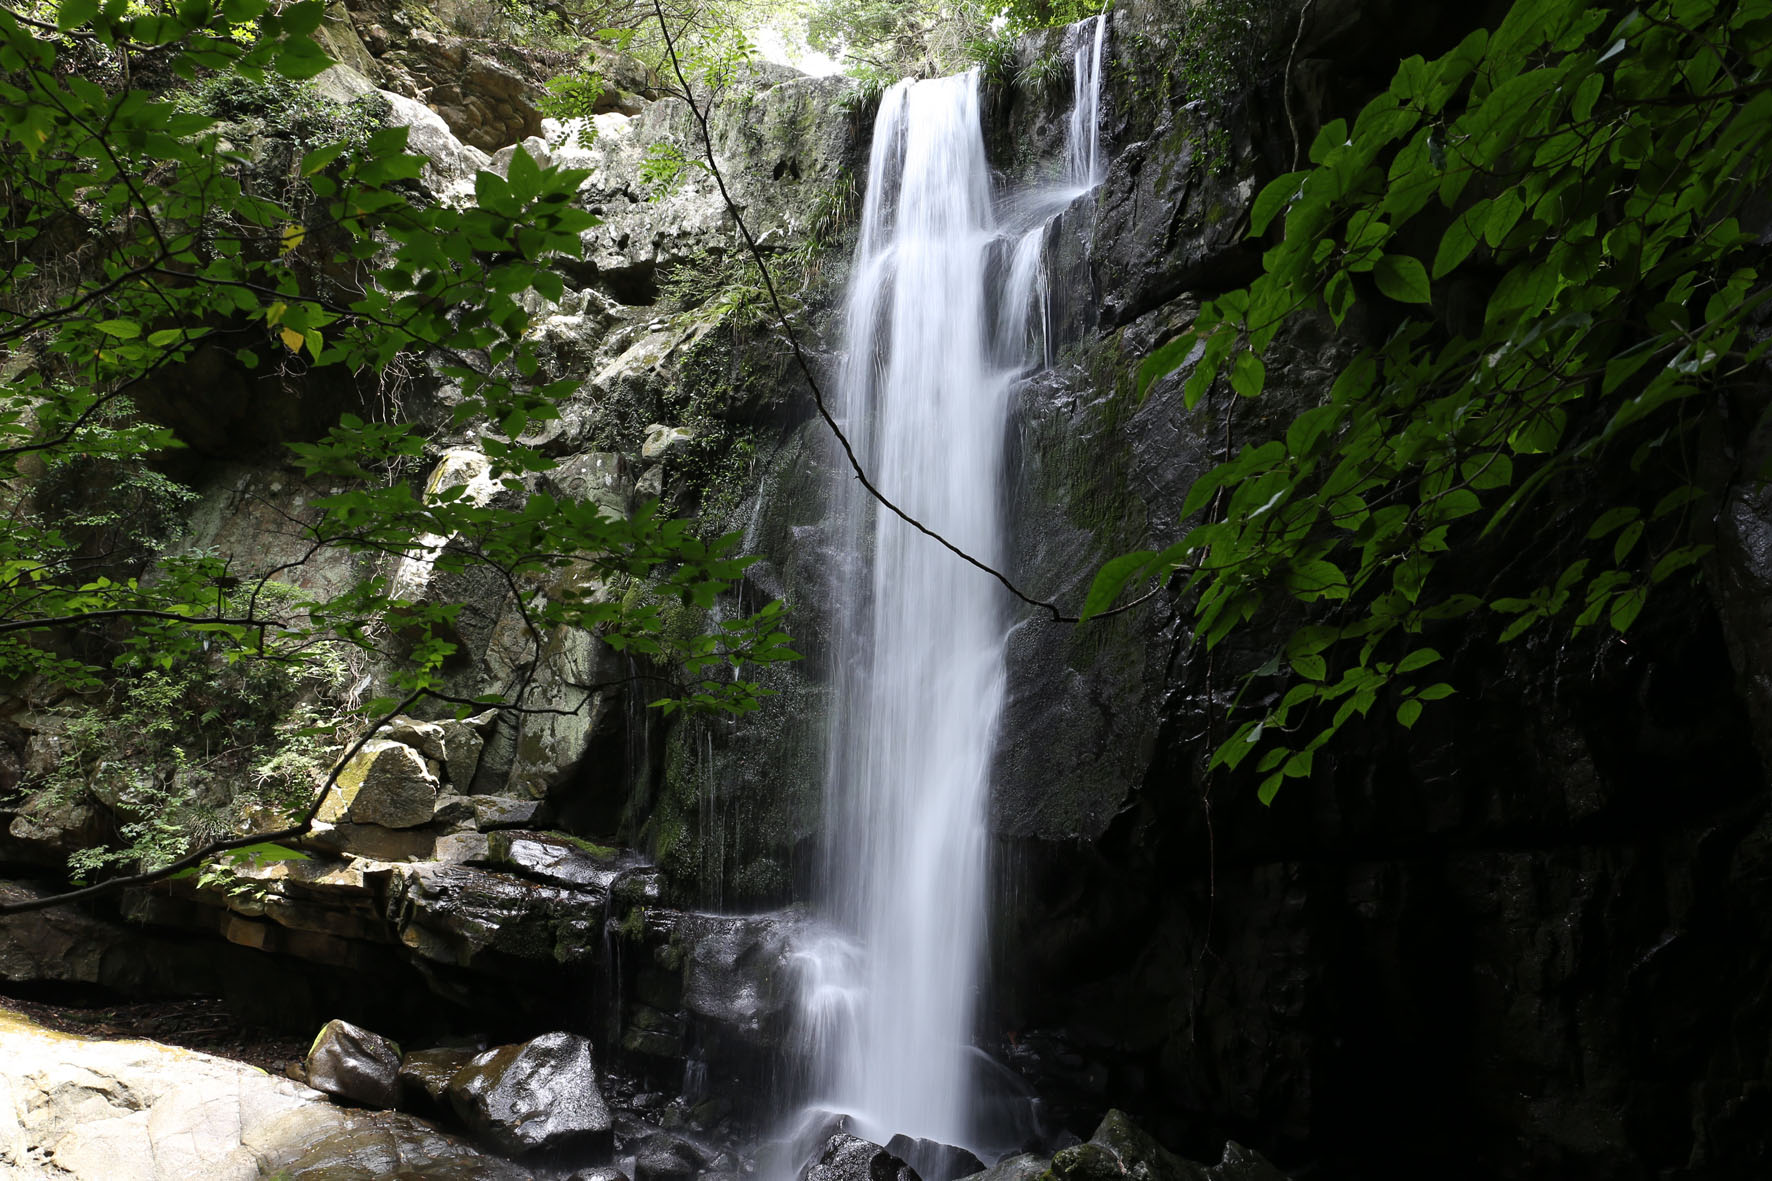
(1084, 155)
(1024, 318)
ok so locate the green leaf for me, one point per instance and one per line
(1338, 295)
(1274, 197)
(1408, 712)
(317, 160)
(1489, 470)
(121, 329)
(1626, 607)
(1317, 579)
(524, 176)
(1111, 579)
(1312, 668)
(1420, 658)
(1503, 213)
(74, 13)
(1248, 374)
(1612, 519)
(1311, 639)
(1402, 278)
(301, 59)
(1455, 244)
(1166, 359)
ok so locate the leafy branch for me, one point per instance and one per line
(1590, 299)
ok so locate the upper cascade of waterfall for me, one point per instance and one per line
(1083, 144)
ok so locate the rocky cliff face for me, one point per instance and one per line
(1510, 943)
(488, 876)
(1528, 939)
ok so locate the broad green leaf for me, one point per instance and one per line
(1111, 579)
(1311, 667)
(1402, 278)
(1311, 639)
(1274, 197)
(1503, 213)
(1611, 519)
(1626, 607)
(1166, 359)
(1420, 658)
(74, 13)
(1456, 243)
(1248, 374)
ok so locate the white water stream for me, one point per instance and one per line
(889, 997)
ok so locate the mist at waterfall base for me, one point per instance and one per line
(947, 310)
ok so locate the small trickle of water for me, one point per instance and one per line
(1084, 155)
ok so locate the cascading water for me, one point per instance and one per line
(888, 996)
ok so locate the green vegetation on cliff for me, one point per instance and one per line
(1552, 241)
(143, 252)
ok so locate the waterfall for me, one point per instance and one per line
(1084, 156)
(946, 309)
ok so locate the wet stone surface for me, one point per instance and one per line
(536, 1096)
(351, 1063)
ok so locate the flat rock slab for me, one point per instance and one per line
(79, 1109)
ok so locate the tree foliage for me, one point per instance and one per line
(135, 237)
(1555, 235)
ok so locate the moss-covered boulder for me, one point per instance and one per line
(386, 783)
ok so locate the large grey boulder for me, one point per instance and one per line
(933, 1160)
(1122, 1151)
(663, 1157)
(1023, 1167)
(536, 1096)
(450, 165)
(557, 858)
(453, 745)
(386, 783)
(349, 1062)
(736, 975)
(850, 1158)
(427, 1073)
(460, 915)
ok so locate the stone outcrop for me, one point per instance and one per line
(387, 783)
(538, 1096)
(850, 1158)
(348, 1062)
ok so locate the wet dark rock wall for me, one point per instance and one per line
(1525, 940)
